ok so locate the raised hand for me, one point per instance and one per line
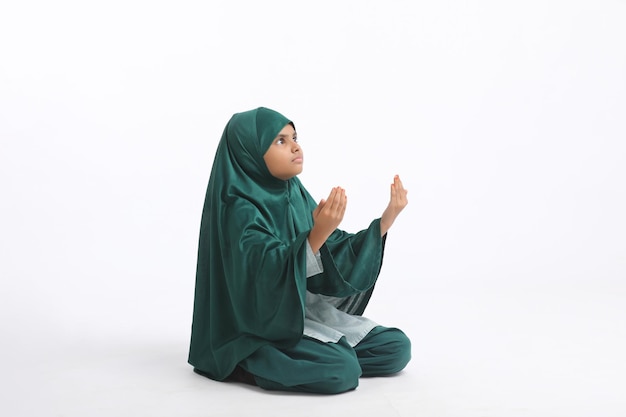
(327, 216)
(397, 202)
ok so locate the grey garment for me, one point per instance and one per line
(314, 264)
(322, 320)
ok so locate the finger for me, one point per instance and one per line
(344, 205)
(336, 198)
(398, 182)
(319, 207)
(342, 199)
(331, 198)
(398, 196)
(401, 191)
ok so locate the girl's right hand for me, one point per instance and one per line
(327, 216)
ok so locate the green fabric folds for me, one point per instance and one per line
(251, 272)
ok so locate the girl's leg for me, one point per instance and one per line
(383, 351)
(310, 366)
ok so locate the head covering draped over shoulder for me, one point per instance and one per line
(251, 273)
(241, 178)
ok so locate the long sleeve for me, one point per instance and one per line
(351, 263)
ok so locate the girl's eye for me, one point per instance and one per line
(295, 139)
(280, 141)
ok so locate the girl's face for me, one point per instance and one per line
(284, 157)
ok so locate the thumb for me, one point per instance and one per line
(319, 207)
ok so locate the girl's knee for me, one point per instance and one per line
(402, 351)
(387, 352)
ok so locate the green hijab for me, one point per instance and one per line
(251, 278)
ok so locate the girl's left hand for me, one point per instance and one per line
(397, 203)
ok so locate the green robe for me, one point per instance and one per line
(251, 272)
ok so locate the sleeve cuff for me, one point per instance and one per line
(313, 262)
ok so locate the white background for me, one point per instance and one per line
(505, 120)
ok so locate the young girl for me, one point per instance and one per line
(279, 289)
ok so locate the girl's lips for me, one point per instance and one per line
(298, 159)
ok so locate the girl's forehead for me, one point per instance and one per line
(288, 129)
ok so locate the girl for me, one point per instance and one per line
(280, 291)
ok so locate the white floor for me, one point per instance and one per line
(473, 355)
